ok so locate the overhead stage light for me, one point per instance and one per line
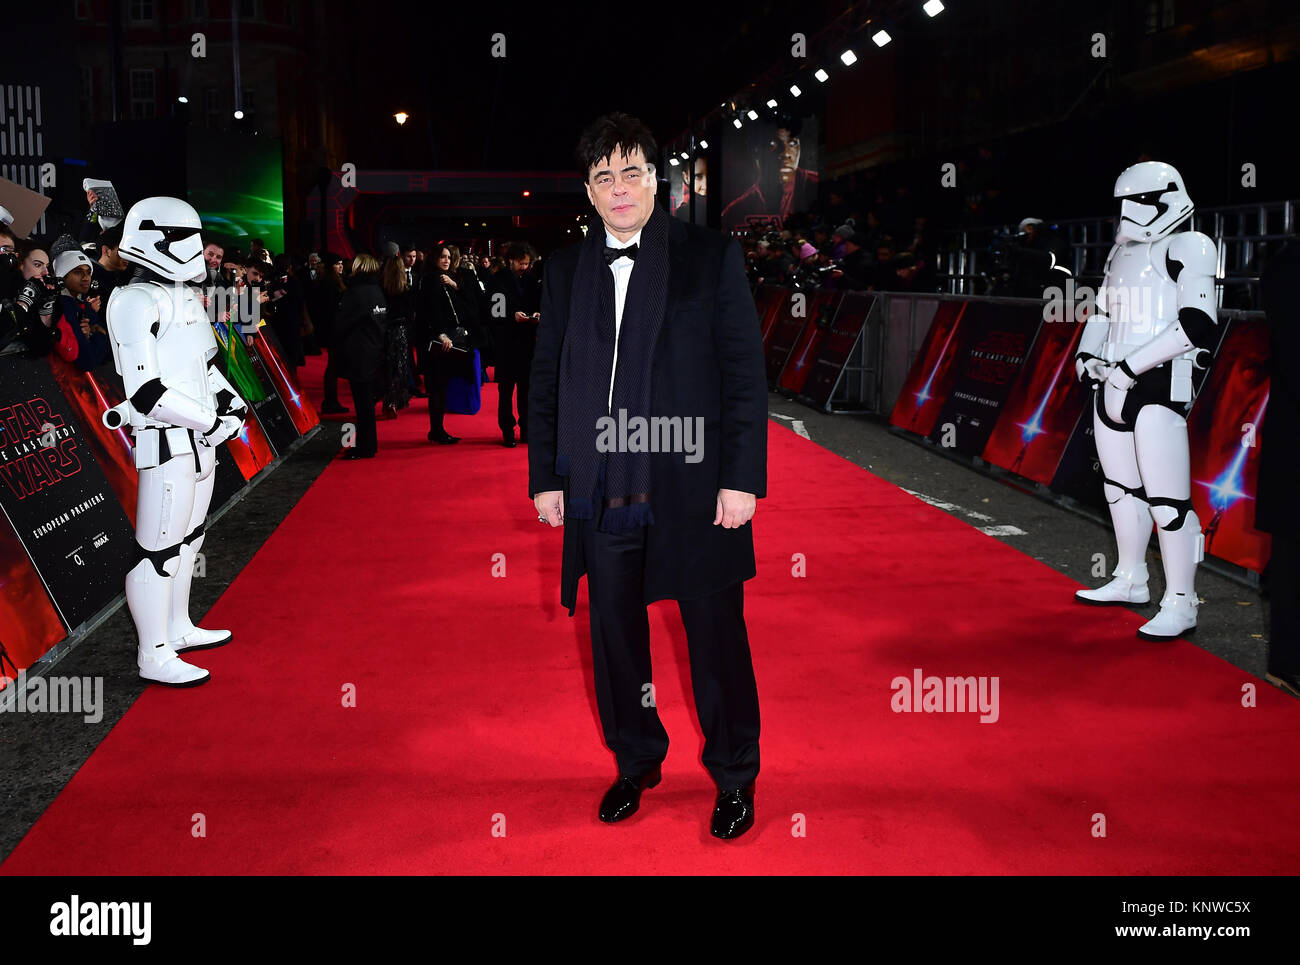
(673, 161)
(685, 156)
(401, 117)
(881, 37)
(752, 115)
(183, 99)
(794, 90)
(771, 102)
(849, 58)
(737, 122)
(933, 7)
(239, 115)
(821, 75)
(704, 145)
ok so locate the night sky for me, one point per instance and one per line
(565, 65)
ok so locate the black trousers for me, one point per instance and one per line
(512, 374)
(722, 672)
(438, 369)
(364, 396)
(331, 381)
(1284, 620)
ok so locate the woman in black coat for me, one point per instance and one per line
(360, 329)
(448, 307)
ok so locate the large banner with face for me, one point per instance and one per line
(770, 170)
(688, 181)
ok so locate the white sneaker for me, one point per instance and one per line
(200, 639)
(1177, 617)
(161, 665)
(1117, 592)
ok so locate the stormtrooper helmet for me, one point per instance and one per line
(1153, 202)
(162, 234)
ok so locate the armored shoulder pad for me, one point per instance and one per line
(1191, 251)
(132, 313)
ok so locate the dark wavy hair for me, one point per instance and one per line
(611, 134)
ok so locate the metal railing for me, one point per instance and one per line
(1242, 234)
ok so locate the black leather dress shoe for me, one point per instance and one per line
(445, 439)
(508, 440)
(1290, 682)
(624, 797)
(733, 814)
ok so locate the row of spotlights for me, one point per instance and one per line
(880, 38)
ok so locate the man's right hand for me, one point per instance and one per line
(551, 505)
(521, 317)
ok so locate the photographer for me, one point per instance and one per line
(1026, 263)
(29, 310)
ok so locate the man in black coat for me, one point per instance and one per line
(513, 299)
(1279, 464)
(649, 321)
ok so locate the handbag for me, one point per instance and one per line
(464, 392)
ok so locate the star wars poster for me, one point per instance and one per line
(837, 347)
(91, 394)
(1043, 408)
(56, 496)
(301, 411)
(770, 303)
(932, 373)
(271, 412)
(821, 310)
(29, 625)
(990, 358)
(1223, 434)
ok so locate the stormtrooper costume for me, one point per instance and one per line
(1156, 322)
(179, 408)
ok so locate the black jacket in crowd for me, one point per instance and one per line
(359, 329)
(513, 341)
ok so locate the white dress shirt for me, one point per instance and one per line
(622, 269)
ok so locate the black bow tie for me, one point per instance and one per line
(613, 254)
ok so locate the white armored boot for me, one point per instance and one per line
(1181, 550)
(182, 632)
(148, 597)
(1128, 586)
(1132, 521)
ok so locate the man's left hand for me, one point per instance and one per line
(735, 508)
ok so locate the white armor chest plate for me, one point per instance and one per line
(1141, 298)
(185, 341)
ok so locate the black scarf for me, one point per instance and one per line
(611, 487)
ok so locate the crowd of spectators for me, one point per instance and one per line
(399, 324)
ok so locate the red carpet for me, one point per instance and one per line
(474, 707)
